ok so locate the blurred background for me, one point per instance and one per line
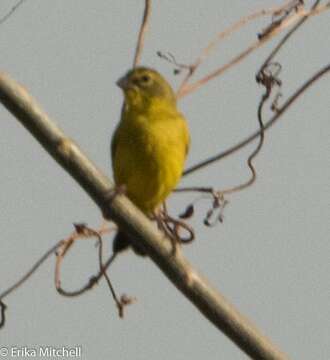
(270, 257)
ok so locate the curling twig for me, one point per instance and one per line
(254, 153)
(142, 33)
(81, 232)
(124, 300)
(268, 79)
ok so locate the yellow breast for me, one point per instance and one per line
(149, 155)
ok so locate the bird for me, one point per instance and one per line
(149, 146)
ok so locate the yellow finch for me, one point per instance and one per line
(150, 143)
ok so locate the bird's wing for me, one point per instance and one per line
(114, 142)
(186, 136)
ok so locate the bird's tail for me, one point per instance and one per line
(122, 242)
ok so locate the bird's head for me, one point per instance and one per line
(143, 86)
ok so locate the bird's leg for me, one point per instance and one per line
(178, 224)
(160, 216)
(171, 227)
(175, 241)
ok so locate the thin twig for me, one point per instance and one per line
(253, 136)
(4, 18)
(189, 88)
(286, 37)
(252, 156)
(230, 30)
(142, 32)
(31, 271)
(90, 284)
(92, 232)
(268, 80)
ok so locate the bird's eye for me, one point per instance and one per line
(145, 79)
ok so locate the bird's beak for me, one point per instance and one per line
(123, 83)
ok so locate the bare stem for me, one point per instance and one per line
(142, 32)
(269, 81)
(103, 270)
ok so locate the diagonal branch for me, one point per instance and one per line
(196, 288)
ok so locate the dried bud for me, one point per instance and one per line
(188, 213)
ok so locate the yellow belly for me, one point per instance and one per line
(149, 159)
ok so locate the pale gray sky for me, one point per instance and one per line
(270, 258)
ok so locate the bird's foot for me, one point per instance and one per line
(173, 229)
